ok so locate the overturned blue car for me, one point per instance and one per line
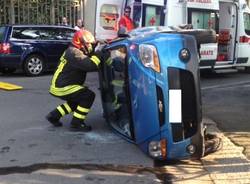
(151, 94)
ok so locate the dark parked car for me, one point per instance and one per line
(32, 48)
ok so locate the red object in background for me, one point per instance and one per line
(152, 21)
(221, 57)
(244, 39)
(224, 37)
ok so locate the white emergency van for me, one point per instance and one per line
(234, 34)
(101, 17)
(201, 14)
(229, 18)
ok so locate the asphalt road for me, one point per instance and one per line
(226, 100)
(28, 144)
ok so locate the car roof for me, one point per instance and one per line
(37, 25)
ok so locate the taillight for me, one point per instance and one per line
(4, 48)
(244, 39)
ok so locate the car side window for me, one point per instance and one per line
(118, 107)
(42, 33)
(64, 34)
(25, 33)
(47, 33)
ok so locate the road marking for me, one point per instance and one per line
(225, 85)
(9, 86)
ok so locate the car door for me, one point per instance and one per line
(130, 105)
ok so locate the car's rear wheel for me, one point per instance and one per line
(34, 65)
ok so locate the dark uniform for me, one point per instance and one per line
(67, 84)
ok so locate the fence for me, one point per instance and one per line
(40, 11)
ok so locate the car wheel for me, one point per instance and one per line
(202, 36)
(7, 70)
(34, 65)
(247, 69)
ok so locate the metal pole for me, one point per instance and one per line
(52, 12)
(12, 12)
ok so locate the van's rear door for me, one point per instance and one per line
(243, 45)
(227, 34)
(108, 13)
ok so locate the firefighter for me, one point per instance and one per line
(67, 82)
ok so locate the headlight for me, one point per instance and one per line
(149, 57)
(158, 149)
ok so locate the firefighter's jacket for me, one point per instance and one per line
(71, 72)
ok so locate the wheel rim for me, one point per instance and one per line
(35, 65)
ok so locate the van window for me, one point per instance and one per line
(247, 23)
(203, 19)
(152, 15)
(137, 14)
(109, 17)
(2, 32)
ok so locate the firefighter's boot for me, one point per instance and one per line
(78, 125)
(53, 117)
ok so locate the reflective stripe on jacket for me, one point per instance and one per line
(71, 72)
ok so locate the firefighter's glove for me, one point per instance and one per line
(102, 55)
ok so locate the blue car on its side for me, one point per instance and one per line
(151, 94)
(32, 48)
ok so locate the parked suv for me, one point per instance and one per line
(33, 48)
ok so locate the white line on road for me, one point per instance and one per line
(227, 85)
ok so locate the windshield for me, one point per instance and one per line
(2, 31)
(247, 23)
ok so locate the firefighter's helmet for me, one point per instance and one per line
(83, 40)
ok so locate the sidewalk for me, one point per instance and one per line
(229, 165)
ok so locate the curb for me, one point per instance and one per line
(228, 165)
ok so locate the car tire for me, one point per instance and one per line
(202, 36)
(7, 70)
(247, 69)
(34, 65)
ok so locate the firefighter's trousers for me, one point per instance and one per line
(78, 102)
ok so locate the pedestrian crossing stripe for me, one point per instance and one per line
(9, 86)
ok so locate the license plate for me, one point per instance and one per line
(175, 115)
